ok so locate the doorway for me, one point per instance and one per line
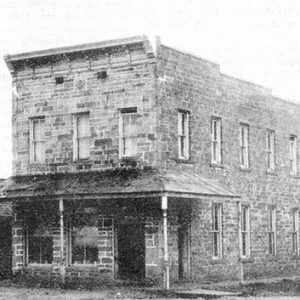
(5, 248)
(131, 251)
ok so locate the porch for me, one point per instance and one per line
(132, 224)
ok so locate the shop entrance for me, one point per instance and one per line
(131, 251)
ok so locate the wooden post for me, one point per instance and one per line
(164, 206)
(62, 260)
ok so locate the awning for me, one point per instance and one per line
(110, 183)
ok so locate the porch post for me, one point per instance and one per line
(164, 206)
(62, 261)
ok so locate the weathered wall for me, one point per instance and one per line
(190, 83)
(129, 82)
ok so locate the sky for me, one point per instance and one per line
(255, 40)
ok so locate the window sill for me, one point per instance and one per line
(247, 170)
(37, 265)
(273, 258)
(184, 160)
(271, 173)
(82, 160)
(217, 165)
(295, 176)
(246, 259)
(79, 266)
(217, 260)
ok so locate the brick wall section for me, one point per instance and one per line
(129, 82)
(188, 82)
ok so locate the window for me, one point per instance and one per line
(244, 146)
(217, 230)
(245, 231)
(40, 245)
(293, 155)
(82, 136)
(128, 131)
(270, 141)
(295, 232)
(84, 241)
(216, 140)
(183, 135)
(37, 140)
(59, 80)
(272, 231)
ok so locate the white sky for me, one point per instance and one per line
(255, 40)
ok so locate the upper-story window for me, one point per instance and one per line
(293, 155)
(37, 140)
(183, 135)
(270, 149)
(128, 131)
(244, 146)
(81, 136)
(216, 149)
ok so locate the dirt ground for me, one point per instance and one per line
(284, 289)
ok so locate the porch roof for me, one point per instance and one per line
(118, 182)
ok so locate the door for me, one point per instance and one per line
(5, 247)
(131, 251)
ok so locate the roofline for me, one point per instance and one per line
(120, 195)
(75, 48)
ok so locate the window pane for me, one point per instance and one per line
(39, 151)
(84, 246)
(83, 147)
(126, 125)
(83, 126)
(130, 145)
(40, 249)
(244, 243)
(215, 244)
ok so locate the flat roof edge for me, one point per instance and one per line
(75, 48)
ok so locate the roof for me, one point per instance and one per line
(112, 183)
(142, 39)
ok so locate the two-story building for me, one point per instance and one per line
(133, 161)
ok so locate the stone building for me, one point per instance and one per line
(133, 161)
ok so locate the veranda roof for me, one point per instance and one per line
(118, 182)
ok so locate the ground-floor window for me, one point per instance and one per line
(84, 241)
(245, 230)
(217, 230)
(39, 245)
(272, 231)
(295, 231)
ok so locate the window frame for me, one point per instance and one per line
(272, 247)
(293, 155)
(295, 231)
(33, 141)
(217, 233)
(245, 231)
(270, 150)
(77, 139)
(27, 236)
(216, 140)
(183, 120)
(244, 146)
(123, 113)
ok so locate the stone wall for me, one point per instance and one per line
(129, 83)
(197, 86)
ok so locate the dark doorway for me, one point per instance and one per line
(5, 248)
(131, 251)
(183, 249)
